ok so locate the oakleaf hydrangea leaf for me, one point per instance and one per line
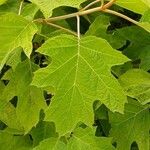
(15, 31)
(138, 46)
(42, 131)
(13, 142)
(14, 58)
(51, 144)
(99, 28)
(47, 6)
(146, 16)
(10, 6)
(138, 6)
(147, 2)
(8, 112)
(136, 83)
(29, 11)
(30, 98)
(80, 72)
(145, 25)
(132, 126)
(8, 116)
(85, 139)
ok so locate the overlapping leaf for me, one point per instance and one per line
(84, 139)
(99, 28)
(8, 112)
(131, 127)
(29, 11)
(137, 84)
(9, 6)
(13, 142)
(138, 6)
(9, 117)
(47, 6)
(138, 47)
(15, 31)
(81, 139)
(30, 98)
(80, 73)
(145, 20)
(42, 131)
(51, 143)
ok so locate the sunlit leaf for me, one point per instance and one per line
(80, 73)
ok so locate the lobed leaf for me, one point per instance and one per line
(15, 31)
(138, 6)
(51, 143)
(131, 127)
(80, 72)
(30, 98)
(84, 139)
(138, 87)
(13, 142)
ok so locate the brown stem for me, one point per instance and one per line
(85, 12)
(90, 4)
(80, 13)
(121, 15)
(109, 4)
(60, 27)
(20, 7)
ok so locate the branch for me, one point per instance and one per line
(85, 12)
(60, 27)
(20, 7)
(121, 15)
(80, 13)
(90, 4)
(109, 4)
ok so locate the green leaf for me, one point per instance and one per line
(30, 98)
(10, 6)
(145, 25)
(147, 2)
(99, 28)
(51, 144)
(8, 112)
(56, 31)
(48, 5)
(138, 47)
(138, 6)
(29, 11)
(15, 31)
(2, 86)
(101, 112)
(8, 116)
(85, 139)
(146, 16)
(13, 142)
(136, 83)
(131, 127)
(80, 73)
(42, 131)
(14, 58)
(121, 69)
